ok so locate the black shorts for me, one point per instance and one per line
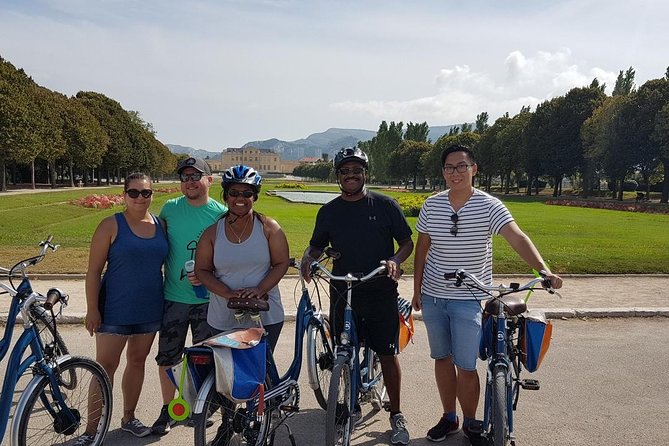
(376, 318)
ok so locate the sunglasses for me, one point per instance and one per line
(195, 176)
(454, 228)
(134, 193)
(234, 193)
(354, 171)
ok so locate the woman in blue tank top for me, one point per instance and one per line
(125, 307)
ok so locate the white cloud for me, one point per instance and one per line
(461, 93)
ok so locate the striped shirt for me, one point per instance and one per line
(479, 219)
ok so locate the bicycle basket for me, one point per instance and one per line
(406, 329)
(534, 339)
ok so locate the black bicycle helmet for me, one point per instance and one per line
(350, 154)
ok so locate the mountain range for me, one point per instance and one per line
(313, 145)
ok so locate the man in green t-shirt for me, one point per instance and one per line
(186, 218)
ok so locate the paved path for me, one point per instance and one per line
(582, 295)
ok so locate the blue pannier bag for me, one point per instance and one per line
(240, 373)
(534, 339)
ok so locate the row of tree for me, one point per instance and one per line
(60, 138)
(585, 136)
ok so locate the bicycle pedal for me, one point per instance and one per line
(289, 408)
(530, 384)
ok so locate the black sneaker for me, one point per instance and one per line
(443, 429)
(164, 422)
(473, 432)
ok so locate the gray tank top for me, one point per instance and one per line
(242, 265)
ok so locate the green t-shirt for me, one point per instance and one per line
(185, 225)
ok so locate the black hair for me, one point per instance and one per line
(135, 176)
(457, 148)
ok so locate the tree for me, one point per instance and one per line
(86, 140)
(387, 139)
(405, 162)
(661, 137)
(481, 123)
(624, 83)
(417, 132)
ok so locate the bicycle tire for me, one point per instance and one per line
(37, 426)
(47, 329)
(500, 422)
(233, 424)
(338, 423)
(379, 397)
(320, 354)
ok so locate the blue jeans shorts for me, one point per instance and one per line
(453, 329)
(129, 330)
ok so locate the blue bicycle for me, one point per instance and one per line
(354, 380)
(512, 338)
(220, 421)
(68, 396)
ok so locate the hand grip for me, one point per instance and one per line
(53, 297)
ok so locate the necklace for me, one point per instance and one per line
(239, 236)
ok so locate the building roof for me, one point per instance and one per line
(241, 149)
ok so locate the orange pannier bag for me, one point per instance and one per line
(406, 330)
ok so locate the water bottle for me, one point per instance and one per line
(200, 291)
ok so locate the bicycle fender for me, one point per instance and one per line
(209, 381)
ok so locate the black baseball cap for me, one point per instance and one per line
(196, 163)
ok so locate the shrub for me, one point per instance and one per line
(291, 185)
(411, 205)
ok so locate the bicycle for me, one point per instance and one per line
(255, 422)
(354, 381)
(504, 345)
(54, 407)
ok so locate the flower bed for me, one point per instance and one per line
(612, 205)
(109, 201)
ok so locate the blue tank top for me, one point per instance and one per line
(134, 278)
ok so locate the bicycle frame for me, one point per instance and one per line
(22, 299)
(306, 316)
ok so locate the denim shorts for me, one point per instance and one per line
(453, 329)
(129, 330)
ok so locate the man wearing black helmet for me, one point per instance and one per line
(362, 226)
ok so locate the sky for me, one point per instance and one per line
(213, 74)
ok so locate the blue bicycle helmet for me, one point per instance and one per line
(350, 154)
(241, 174)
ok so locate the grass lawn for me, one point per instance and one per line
(573, 240)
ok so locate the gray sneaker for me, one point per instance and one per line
(400, 434)
(136, 428)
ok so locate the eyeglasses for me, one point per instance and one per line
(354, 170)
(134, 193)
(454, 228)
(234, 193)
(461, 168)
(195, 176)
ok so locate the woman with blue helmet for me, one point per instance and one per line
(243, 255)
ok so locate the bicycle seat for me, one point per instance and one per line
(513, 305)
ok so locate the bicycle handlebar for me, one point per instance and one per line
(348, 278)
(461, 277)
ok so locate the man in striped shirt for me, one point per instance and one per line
(455, 230)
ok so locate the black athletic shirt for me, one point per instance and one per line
(363, 232)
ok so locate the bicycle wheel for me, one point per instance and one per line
(320, 358)
(379, 395)
(54, 345)
(500, 426)
(233, 424)
(338, 425)
(43, 423)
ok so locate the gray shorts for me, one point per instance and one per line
(177, 318)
